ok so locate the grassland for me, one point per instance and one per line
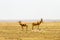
(12, 31)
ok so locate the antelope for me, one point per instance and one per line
(23, 25)
(37, 24)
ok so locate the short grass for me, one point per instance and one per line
(13, 31)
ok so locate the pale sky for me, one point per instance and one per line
(29, 9)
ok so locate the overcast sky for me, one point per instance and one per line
(29, 9)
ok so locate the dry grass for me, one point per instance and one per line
(12, 31)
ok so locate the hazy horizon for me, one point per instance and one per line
(45, 20)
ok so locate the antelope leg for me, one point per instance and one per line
(26, 28)
(32, 27)
(38, 27)
(22, 28)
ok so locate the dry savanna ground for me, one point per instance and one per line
(12, 31)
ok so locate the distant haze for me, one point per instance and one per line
(29, 9)
(48, 20)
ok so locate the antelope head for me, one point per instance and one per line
(19, 22)
(41, 20)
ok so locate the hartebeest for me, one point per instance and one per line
(23, 25)
(37, 24)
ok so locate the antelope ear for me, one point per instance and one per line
(19, 21)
